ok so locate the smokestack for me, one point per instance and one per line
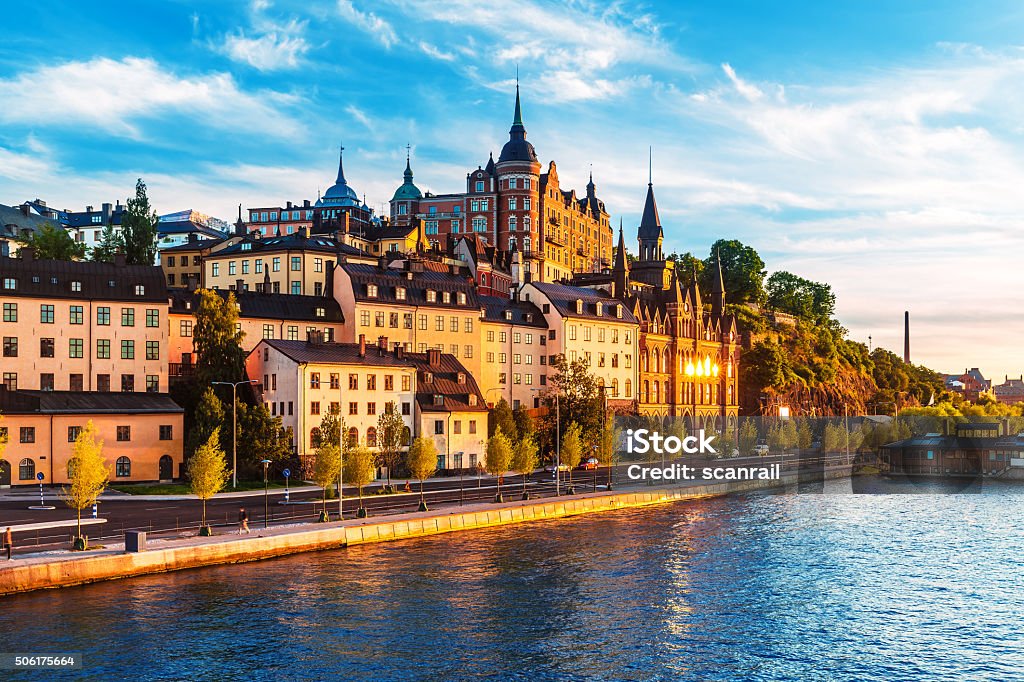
(906, 336)
(362, 345)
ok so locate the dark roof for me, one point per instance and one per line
(99, 281)
(958, 442)
(290, 242)
(650, 223)
(563, 297)
(267, 305)
(187, 227)
(495, 309)
(337, 353)
(13, 221)
(517, 148)
(443, 377)
(197, 245)
(416, 287)
(82, 402)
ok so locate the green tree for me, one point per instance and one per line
(110, 243)
(390, 438)
(261, 436)
(607, 450)
(359, 471)
(54, 243)
(501, 417)
(743, 271)
(748, 437)
(523, 423)
(217, 341)
(422, 463)
(326, 469)
(88, 473)
(801, 297)
(579, 398)
(572, 448)
(208, 418)
(498, 458)
(525, 459)
(139, 228)
(208, 472)
(804, 435)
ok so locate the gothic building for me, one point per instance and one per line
(512, 205)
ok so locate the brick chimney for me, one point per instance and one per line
(382, 344)
(239, 285)
(362, 345)
(433, 357)
(399, 350)
(28, 253)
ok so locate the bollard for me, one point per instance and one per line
(95, 511)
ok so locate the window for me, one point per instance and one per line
(10, 312)
(423, 322)
(140, 290)
(268, 331)
(124, 434)
(127, 349)
(371, 408)
(152, 317)
(353, 382)
(314, 407)
(353, 408)
(166, 432)
(46, 381)
(296, 263)
(123, 467)
(103, 315)
(431, 296)
(152, 350)
(127, 383)
(439, 323)
(46, 314)
(438, 426)
(186, 328)
(216, 269)
(259, 266)
(296, 288)
(77, 314)
(276, 264)
(10, 346)
(406, 382)
(389, 382)
(378, 318)
(76, 348)
(10, 283)
(371, 382)
(27, 467)
(314, 380)
(102, 349)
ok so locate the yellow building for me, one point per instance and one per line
(515, 352)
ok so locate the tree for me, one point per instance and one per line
(422, 463)
(525, 458)
(208, 418)
(501, 418)
(88, 473)
(110, 243)
(54, 243)
(804, 435)
(390, 439)
(742, 271)
(801, 297)
(578, 396)
(607, 452)
(217, 341)
(359, 471)
(326, 469)
(208, 472)
(572, 448)
(523, 423)
(261, 436)
(139, 228)
(498, 458)
(748, 437)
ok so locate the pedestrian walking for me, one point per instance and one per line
(9, 542)
(243, 521)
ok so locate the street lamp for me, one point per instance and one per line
(234, 424)
(558, 441)
(266, 494)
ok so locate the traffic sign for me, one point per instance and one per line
(287, 473)
(40, 476)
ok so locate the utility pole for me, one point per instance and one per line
(234, 424)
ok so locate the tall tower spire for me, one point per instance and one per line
(341, 167)
(620, 271)
(650, 233)
(517, 117)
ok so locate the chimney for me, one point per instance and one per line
(362, 345)
(106, 212)
(193, 237)
(303, 233)
(315, 337)
(453, 269)
(382, 262)
(28, 254)
(26, 210)
(239, 285)
(193, 282)
(288, 204)
(305, 203)
(382, 344)
(906, 336)
(434, 357)
(399, 350)
(119, 259)
(88, 209)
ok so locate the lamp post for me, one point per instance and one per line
(266, 494)
(558, 441)
(234, 424)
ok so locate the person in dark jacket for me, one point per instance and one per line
(243, 521)
(9, 542)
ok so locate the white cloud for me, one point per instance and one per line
(432, 51)
(369, 22)
(116, 95)
(277, 48)
(360, 116)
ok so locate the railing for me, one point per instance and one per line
(433, 216)
(181, 369)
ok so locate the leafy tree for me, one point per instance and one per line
(579, 398)
(501, 418)
(743, 271)
(525, 458)
(607, 452)
(110, 243)
(326, 469)
(498, 458)
(54, 243)
(208, 418)
(208, 472)
(138, 228)
(330, 429)
(359, 471)
(217, 342)
(261, 436)
(523, 423)
(686, 265)
(572, 447)
(88, 473)
(804, 435)
(390, 438)
(748, 437)
(422, 463)
(801, 297)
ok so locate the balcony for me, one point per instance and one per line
(438, 216)
(180, 369)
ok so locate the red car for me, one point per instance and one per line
(588, 464)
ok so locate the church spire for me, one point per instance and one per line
(650, 233)
(517, 118)
(341, 167)
(620, 271)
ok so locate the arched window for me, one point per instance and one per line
(27, 469)
(668, 392)
(314, 437)
(647, 392)
(629, 388)
(657, 392)
(406, 436)
(371, 437)
(657, 362)
(123, 467)
(615, 388)
(353, 436)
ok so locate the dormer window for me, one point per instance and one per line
(320, 312)
(529, 317)
(10, 283)
(111, 283)
(600, 308)
(438, 400)
(446, 297)
(371, 290)
(428, 377)
(618, 311)
(472, 399)
(579, 307)
(247, 247)
(431, 296)
(140, 290)
(462, 378)
(508, 314)
(400, 293)
(462, 298)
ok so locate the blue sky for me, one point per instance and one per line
(876, 146)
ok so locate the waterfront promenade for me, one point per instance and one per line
(61, 569)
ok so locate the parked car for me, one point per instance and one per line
(588, 464)
(761, 449)
(561, 467)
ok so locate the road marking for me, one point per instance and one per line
(158, 508)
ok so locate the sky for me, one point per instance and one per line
(878, 146)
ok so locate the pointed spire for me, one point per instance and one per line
(408, 167)
(697, 301)
(650, 223)
(620, 251)
(517, 118)
(620, 271)
(341, 169)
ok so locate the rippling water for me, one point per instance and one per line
(771, 587)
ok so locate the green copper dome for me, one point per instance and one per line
(408, 190)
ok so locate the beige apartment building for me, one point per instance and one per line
(82, 326)
(515, 352)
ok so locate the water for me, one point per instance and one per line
(771, 587)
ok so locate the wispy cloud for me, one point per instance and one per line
(278, 47)
(369, 22)
(116, 95)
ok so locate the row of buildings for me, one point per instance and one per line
(422, 313)
(972, 384)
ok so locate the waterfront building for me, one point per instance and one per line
(301, 381)
(989, 449)
(143, 435)
(261, 315)
(1011, 392)
(515, 352)
(83, 326)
